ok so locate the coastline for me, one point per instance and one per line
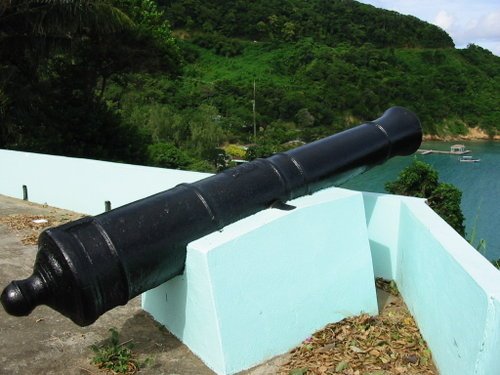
(474, 134)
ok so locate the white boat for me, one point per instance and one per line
(469, 159)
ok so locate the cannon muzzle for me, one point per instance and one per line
(89, 266)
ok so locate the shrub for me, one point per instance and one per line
(115, 357)
(445, 200)
(235, 151)
(166, 155)
(419, 179)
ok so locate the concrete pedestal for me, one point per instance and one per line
(264, 284)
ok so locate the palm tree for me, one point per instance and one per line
(31, 30)
(48, 23)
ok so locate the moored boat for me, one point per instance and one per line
(469, 159)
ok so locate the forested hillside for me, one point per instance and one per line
(327, 21)
(293, 71)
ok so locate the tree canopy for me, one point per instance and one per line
(109, 79)
(57, 57)
(419, 179)
(327, 21)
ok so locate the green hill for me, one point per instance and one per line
(327, 21)
(290, 71)
(317, 66)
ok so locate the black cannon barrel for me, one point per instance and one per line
(89, 266)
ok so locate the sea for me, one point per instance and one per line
(479, 183)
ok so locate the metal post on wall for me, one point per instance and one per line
(25, 193)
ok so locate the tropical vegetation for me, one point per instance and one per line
(190, 84)
(58, 57)
(420, 179)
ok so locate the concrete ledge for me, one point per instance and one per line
(267, 282)
(83, 185)
(452, 291)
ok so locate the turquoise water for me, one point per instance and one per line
(479, 183)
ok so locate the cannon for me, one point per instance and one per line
(87, 267)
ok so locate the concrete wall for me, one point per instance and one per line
(382, 220)
(452, 291)
(265, 283)
(83, 185)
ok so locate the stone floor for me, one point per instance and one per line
(46, 342)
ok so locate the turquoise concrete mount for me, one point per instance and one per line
(266, 283)
(452, 291)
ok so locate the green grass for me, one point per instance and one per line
(256, 62)
(114, 356)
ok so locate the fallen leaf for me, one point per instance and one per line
(299, 371)
(355, 349)
(341, 366)
(365, 345)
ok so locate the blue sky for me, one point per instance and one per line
(466, 21)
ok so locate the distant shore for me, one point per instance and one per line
(475, 134)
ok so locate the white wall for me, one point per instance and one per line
(83, 185)
(450, 288)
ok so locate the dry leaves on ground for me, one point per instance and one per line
(364, 345)
(29, 227)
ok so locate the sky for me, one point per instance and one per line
(466, 21)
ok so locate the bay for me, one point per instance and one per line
(479, 183)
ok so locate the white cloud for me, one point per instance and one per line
(465, 21)
(483, 30)
(487, 26)
(444, 20)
